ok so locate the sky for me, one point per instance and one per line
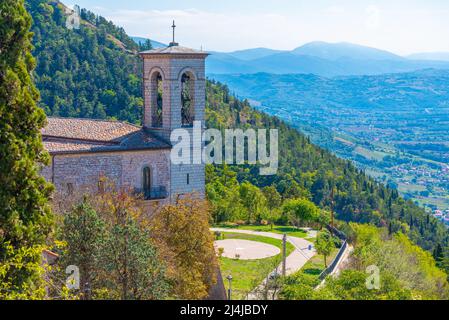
(399, 26)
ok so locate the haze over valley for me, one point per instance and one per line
(387, 113)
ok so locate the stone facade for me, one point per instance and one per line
(171, 66)
(83, 151)
(171, 69)
(82, 172)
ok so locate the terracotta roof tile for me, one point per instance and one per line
(69, 135)
(88, 129)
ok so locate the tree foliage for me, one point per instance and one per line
(25, 217)
(107, 236)
(182, 233)
(309, 172)
(83, 232)
(90, 72)
(94, 72)
(301, 211)
(324, 245)
(406, 272)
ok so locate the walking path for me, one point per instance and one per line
(295, 261)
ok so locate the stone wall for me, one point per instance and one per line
(171, 71)
(185, 178)
(82, 172)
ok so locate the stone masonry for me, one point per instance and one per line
(85, 150)
(82, 172)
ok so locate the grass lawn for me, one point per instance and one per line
(315, 266)
(248, 274)
(289, 230)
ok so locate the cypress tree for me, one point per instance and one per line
(438, 255)
(25, 216)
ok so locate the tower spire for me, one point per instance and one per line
(173, 43)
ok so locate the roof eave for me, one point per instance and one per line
(73, 152)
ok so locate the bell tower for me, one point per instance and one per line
(174, 97)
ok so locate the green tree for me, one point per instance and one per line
(107, 236)
(84, 233)
(438, 255)
(274, 202)
(324, 245)
(253, 200)
(301, 211)
(274, 199)
(25, 217)
(133, 263)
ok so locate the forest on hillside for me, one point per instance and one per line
(94, 72)
(87, 72)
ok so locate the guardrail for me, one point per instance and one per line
(331, 268)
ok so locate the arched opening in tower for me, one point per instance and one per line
(187, 99)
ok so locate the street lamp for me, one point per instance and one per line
(87, 291)
(230, 287)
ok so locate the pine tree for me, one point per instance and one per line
(438, 255)
(25, 217)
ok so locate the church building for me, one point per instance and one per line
(83, 151)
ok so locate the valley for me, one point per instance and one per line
(393, 126)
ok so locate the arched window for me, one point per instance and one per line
(157, 99)
(187, 99)
(146, 182)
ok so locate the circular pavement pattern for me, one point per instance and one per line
(246, 250)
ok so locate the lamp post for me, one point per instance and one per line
(284, 255)
(87, 291)
(230, 287)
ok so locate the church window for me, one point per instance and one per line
(101, 186)
(147, 182)
(70, 189)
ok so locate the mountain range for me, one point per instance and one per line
(320, 58)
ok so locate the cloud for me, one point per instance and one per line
(336, 10)
(373, 14)
(212, 30)
(392, 25)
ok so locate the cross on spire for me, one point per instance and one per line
(173, 43)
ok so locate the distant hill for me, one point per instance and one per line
(320, 58)
(433, 56)
(155, 44)
(251, 54)
(225, 63)
(343, 50)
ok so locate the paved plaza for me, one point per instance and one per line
(246, 250)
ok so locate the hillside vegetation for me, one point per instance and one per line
(86, 72)
(394, 126)
(398, 269)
